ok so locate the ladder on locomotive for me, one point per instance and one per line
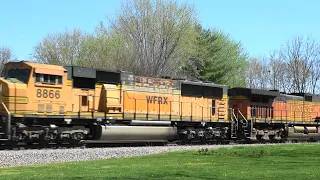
(221, 110)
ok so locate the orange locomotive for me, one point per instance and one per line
(277, 116)
(44, 104)
(47, 103)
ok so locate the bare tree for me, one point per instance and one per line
(301, 54)
(154, 32)
(251, 75)
(274, 70)
(294, 68)
(315, 73)
(257, 74)
(285, 80)
(5, 56)
(279, 73)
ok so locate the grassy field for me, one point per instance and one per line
(296, 161)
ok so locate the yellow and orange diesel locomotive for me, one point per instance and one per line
(47, 103)
(43, 104)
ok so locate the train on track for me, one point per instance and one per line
(45, 104)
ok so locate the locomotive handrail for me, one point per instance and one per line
(5, 107)
(234, 115)
(8, 125)
(110, 97)
(233, 119)
(243, 117)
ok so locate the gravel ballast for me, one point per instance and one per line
(10, 158)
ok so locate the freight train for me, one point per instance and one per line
(42, 104)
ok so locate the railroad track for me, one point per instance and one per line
(105, 144)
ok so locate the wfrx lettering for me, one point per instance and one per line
(157, 99)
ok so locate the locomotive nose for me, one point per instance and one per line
(5, 118)
(1, 97)
(3, 90)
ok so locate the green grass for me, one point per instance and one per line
(295, 161)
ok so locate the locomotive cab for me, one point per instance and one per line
(31, 88)
(47, 83)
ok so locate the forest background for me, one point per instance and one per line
(164, 38)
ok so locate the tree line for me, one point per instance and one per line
(150, 38)
(160, 38)
(294, 68)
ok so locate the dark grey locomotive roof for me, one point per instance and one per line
(307, 96)
(97, 75)
(285, 97)
(238, 91)
(200, 83)
(202, 89)
(247, 92)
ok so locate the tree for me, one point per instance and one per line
(107, 49)
(279, 73)
(5, 56)
(98, 48)
(151, 38)
(257, 75)
(60, 48)
(292, 68)
(315, 76)
(219, 59)
(155, 34)
(301, 55)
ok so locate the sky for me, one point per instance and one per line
(261, 26)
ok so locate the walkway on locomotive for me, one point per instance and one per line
(49, 91)
(269, 106)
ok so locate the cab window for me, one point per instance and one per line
(38, 77)
(48, 79)
(59, 79)
(20, 74)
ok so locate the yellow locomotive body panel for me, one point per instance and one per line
(151, 101)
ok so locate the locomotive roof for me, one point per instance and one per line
(239, 91)
(44, 66)
(302, 94)
(307, 96)
(79, 71)
(95, 69)
(247, 92)
(200, 83)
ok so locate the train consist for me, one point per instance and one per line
(42, 104)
